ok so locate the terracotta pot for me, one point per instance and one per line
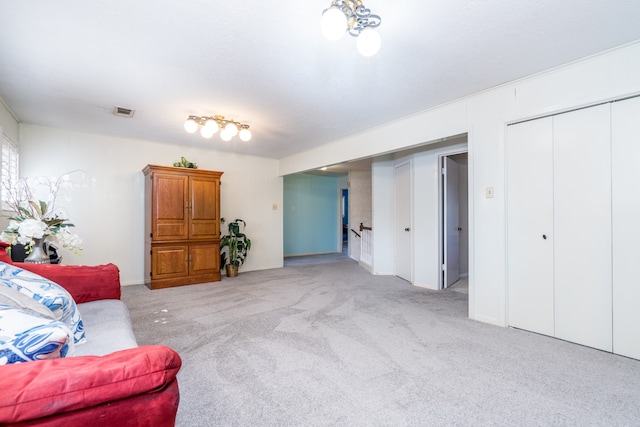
(232, 270)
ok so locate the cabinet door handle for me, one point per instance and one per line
(407, 229)
(544, 236)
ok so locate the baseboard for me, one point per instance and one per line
(131, 283)
(426, 286)
(310, 253)
(490, 320)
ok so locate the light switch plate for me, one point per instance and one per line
(489, 192)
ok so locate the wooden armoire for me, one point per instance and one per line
(182, 226)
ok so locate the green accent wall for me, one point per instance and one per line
(311, 217)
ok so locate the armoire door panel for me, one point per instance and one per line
(204, 259)
(170, 220)
(170, 203)
(530, 232)
(582, 226)
(204, 221)
(169, 261)
(168, 230)
(625, 131)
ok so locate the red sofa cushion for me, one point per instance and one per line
(144, 410)
(84, 283)
(59, 386)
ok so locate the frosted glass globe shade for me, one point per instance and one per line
(231, 128)
(245, 135)
(225, 135)
(190, 126)
(207, 132)
(333, 23)
(368, 42)
(211, 126)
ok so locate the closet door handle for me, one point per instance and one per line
(407, 229)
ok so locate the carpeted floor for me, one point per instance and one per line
(461, 285)
(328, 344)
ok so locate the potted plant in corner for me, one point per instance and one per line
(234, 247)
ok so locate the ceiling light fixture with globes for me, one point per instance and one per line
(209, 126)
(353, 17)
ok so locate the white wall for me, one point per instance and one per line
(110, 216)
(382, 216)
(483, 116)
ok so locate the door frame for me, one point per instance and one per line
(441, 230)
(342, 206)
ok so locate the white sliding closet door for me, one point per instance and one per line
(530, 225)
(582, 223)
(625, 120)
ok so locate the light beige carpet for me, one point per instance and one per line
(332, 345)
(462, 286)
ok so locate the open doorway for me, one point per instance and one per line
(344, 211)
(454, 227)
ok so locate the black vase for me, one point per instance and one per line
(18, 253)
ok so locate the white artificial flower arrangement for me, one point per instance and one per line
(39, 219)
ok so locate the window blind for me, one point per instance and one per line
(8, 169)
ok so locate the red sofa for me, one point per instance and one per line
(133, 387)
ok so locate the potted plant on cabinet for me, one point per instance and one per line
(234, 247)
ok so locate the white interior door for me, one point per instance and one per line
(582, 223)
(530, 226)
(402, 228)
(451, 223)
(625, 131)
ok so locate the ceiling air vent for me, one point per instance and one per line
(124, 112)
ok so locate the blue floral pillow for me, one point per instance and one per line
(26, 336)
(17, 299)
(46, 292)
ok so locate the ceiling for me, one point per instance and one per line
(68, 63)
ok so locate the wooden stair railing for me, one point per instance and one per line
(364, 227)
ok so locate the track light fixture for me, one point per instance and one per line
(353, 17)
(209, 125)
